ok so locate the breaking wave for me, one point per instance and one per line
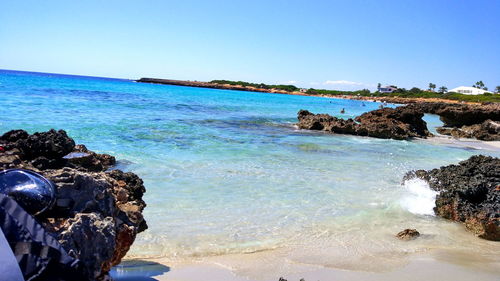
(420, 198)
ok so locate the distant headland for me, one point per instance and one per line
(396, 95)
(227, 85)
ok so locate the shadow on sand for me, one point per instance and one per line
(138, 270)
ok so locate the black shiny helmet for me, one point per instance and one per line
(31, 190)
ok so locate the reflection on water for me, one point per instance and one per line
(138, 270)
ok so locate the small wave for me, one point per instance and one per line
(420, 198)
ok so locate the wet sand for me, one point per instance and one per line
(435, 255)
(472, 144)
(435, 265)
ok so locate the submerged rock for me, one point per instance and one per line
(408, 234)
(388, 123)
(98, 213)
(469, 193)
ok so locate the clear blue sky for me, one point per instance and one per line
(323, 44)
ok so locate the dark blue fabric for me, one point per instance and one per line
(9, 269)
(39, 255)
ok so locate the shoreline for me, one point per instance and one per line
(435, 264)
(387, 99)
(418, 259)
(475, 144)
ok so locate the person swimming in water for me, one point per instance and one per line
(342, 111)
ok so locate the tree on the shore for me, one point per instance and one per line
(415, 90)
(432, 86)
(443, 89)
(480, 85)
(497, 90)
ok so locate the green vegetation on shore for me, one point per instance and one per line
(402, 93)
(412, 93)
(288, 88)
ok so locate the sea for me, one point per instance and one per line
(229, 173)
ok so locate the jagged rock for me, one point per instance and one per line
(488, 131)
(454, 132)
(82, 233)
(14, 135)
(9, 161)
(52, 145)
(468, 192)
(458, 115)
(82, 157)
(387, 123)
(98, 213)
(460, 121)
(408, 234)
(402, 122)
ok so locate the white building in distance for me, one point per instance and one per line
(387, 89)
(468, 90)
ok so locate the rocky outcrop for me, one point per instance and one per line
(460, 121)
(98, 211)
(469, 193)
(408, 234)
(458, 115)
(480, 121)
(488, 131)
(387, 123)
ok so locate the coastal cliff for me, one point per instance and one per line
(98, 211)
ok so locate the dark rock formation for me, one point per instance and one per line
(283, 279)
(408, 234)
(387, 123)
(98, 213)
(468, 192)
(81, 156)
(458, 115)
(460, 120)
(488, 131)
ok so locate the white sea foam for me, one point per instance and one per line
(420, 198)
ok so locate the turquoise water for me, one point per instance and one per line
(227, 171)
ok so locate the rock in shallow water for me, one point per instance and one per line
(98, 212)
(488, 131)
(408, 234)
(388, 123)
(458, 115)
(468, 192)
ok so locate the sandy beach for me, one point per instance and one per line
(434, 265)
